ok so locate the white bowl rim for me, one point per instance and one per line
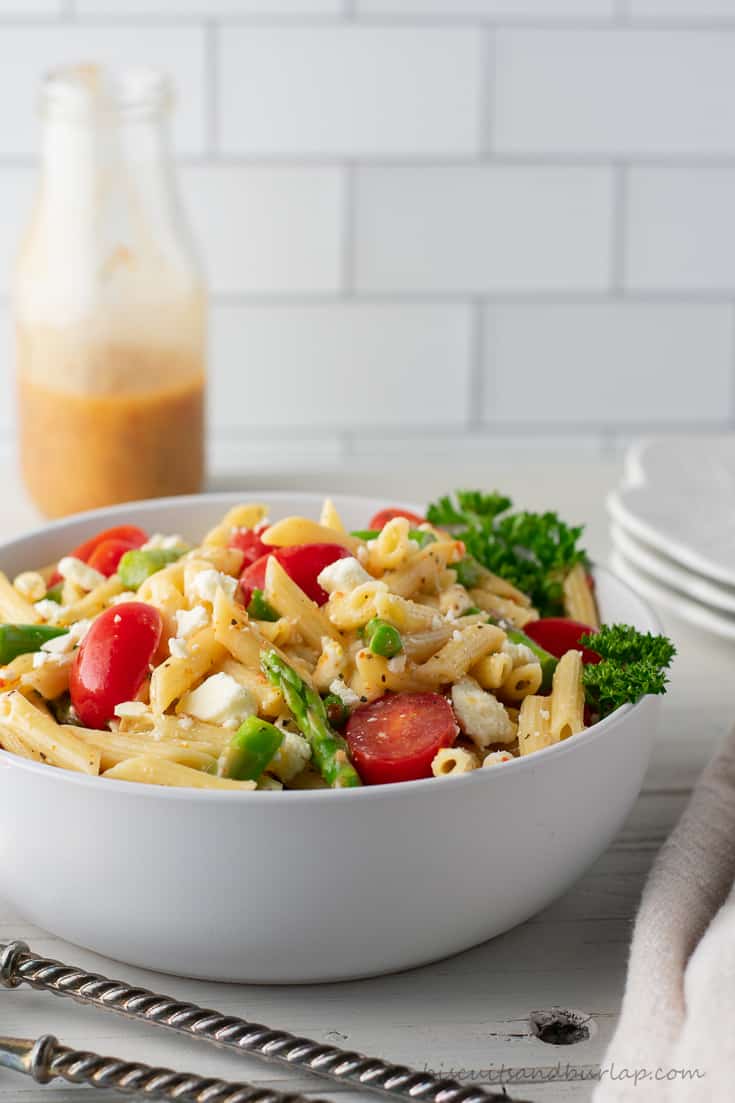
(315, 797)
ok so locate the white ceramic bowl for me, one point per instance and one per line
(307, 886)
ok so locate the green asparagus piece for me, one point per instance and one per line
(382, 638)
(260, 609)
(328, 748)
(137, 565)
(337, 711)
(419, 536)
(21, 639)
(548, 661)
(54, 594)
(250, 750)
(469, 572)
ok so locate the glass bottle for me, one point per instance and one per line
(110, 305)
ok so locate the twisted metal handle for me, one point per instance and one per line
(45, 1060)
(19, 966)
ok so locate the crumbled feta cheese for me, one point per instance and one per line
(81, 574)
(347, 696)
(190, 620)
(497, 758)
(40, 658)
(220, 700)
(186, 722)
(344, 575)
(397, 664)
(481, 716)
(166, 543)
(62, 645)
(456, 634)
(131, 708)
(207, 583)
(291, 757)
(49, 610)
(178, 648)
(520, 653)
(126, 595)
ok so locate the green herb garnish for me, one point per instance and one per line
(533, 551)
(633, 665)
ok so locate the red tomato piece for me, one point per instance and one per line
(113, 660)
(108, 554)
(383, 516)
(396, 737)
(301, 562)
(249, 543)
(133, 536)
(559, 635)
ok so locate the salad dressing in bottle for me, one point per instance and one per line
(110, 307)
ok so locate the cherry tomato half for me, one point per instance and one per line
(396, 737)
(133, 536)
(108, 554)
(383, 516)
(113, 660)
(559, 635)
(301, 562)
(249, 543)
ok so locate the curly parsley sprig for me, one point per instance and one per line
(533, 551)
(633, 665)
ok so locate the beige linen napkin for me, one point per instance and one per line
(679, 1006)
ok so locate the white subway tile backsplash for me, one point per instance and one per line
(267, 230)
(610, 364)
(26, 53)
(514, 10)
(614, 92)
(680, 229)
(210, 8)
(339, 365)
(469, 229)
(685, 10)
(17, 190)
(350, 90)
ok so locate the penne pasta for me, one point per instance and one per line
(300, 530)
(534, 725)
(567, 697)
(579, 598)
(15, 609)
(175, 677)
(159, 771)
(53, 742)
(291, 602)
(246, 516)
(462, 651)
(92, 603)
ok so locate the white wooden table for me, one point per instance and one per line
(469, 1012)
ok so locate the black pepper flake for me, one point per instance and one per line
(363, 700)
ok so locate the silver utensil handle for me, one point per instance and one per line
(19, 966)
(45, 1060)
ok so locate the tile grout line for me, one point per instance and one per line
(348, 229)
(482, 370)
(211, 85)
(489, 92)
(619, 230)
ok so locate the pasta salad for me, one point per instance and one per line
(300, 655)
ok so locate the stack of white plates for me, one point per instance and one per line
(673, 528)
